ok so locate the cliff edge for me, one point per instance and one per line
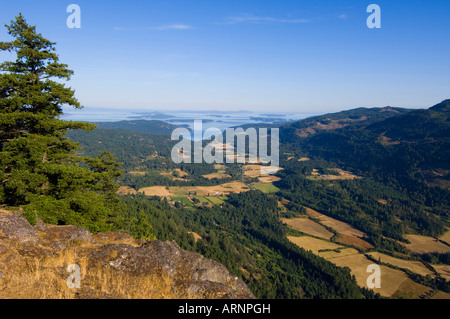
(68, 262)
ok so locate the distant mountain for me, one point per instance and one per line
(144, 126)
(407, 148)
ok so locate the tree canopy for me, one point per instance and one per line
(40, 169)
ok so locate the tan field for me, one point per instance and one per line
(441, 295)
(414, 266)
(181, 174)
(354, 241)
(446, 237)
(308, 226)
(443, 270)
(313, 244)
(349, 235)
(254, 170)
(161, 191)
(423, 244)
(391, 279)
(125, 190)
(412, 290)
(217, 176)
(137, 173)
(226, 188)
(343, 175)
(328, 255)
(269, 179)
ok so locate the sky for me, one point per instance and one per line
(293, 56)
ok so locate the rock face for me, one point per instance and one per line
(34, 263)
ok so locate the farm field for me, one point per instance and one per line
(216, 176)
(308, 226)
(160, 191)
(411, 290)
(391, 279)
(443, 270)
(266, 188)
(222, 189)
(349, 235)
(446, 237)
(268, 179)
(423, 244)
(414, 266)
(313, 244)
(394, 282)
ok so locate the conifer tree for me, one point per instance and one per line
(39, 167)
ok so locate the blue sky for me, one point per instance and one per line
(301, 56)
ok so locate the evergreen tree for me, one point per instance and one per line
(39, 167)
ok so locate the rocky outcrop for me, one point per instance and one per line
(35, 260)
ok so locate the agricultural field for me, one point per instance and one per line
(266, 188)
(268, 179)
(308, 226)
(391, 279)
(394, 282)
(216, 176)
(183, 200)
(443, 270)
(161, 191)
(313, 244)
(341, 175)
(411, 290)
(176, 174)
(446, 237)
(423, 244)
(349, 235)
(414, 266)
(219, 190)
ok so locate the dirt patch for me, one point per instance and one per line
(125, 190)
(386, 141)
(196, 236)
